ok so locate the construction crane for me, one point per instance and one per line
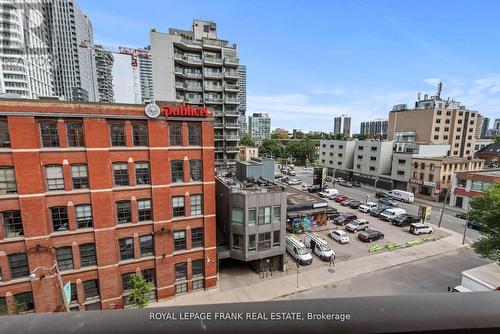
(134, 54)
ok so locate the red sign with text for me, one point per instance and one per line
(186, 111)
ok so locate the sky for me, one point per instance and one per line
(308, 61)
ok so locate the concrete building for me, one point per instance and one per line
(74, 69)
(105, 192)
(437, 121)
(490, 153)
(431, 176)
(376, 127)
(247, 153)
(342, 124)
(467, 185)
(480, 143)
(242, 97)
(197, 67)
(251, 216)
(25, 57)
(259, 126)
(495, 130)
(484, 127)
(104, 68)
(146, 76)
(372, 162)
(337, 156)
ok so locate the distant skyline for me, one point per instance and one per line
(308, 62)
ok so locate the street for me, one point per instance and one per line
(365, 193)
(433, 274)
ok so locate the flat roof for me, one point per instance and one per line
(259, 185)
(489, 273)
(448, 159)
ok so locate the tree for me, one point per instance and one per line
(301, 150)
(339, 136)
(139, 291)
(496, 139)
(271, 147)
(246, 140)
(360, 136)
(485, 209)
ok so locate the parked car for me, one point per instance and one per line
(338, 179)
(403, 196)
(356, 184)
(405, 219)
(347, 202)
(306, 186)
(370, 235)
(357, 225)
(319, 246)
(331, 215)
(461, 215)
(389, 214)
(328, 179)
(345, 184)
(419, 228)
(341, 198)
(329, 193)
(388, 202)
(345, 219)
(293, 181)
(367, 207)
(376, 212)
(475, 225)
(355, 204)
(339, 236)
(381, 194)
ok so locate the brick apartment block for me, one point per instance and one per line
(104, 191)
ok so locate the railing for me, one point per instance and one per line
(232, 137)
(212, 60)
(187, 59)
(230, 73)
(213, 87)
(213, 74)
(212, 99)
(232, 125)
(231, 100)
(213, 42)
(232, 61)
(230, 86)
(218, 125)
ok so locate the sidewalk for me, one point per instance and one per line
(273, 288)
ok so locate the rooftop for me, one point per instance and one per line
(449, 160)
(493, 148)
(485, 172)
(298, 200)
(250, 185)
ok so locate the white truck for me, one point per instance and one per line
(400, 195)
(319, 246)
(483, 278)
(329, 193)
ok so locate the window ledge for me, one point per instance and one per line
(12, 239)
(16, 281)
(68, 232)
(184, 251)
(124, 188)
(8, 196)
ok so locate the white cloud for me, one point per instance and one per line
(329, 91)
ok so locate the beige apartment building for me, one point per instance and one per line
(431, 176)
(437, 121)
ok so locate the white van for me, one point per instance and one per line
(329, 193)
(391, 213)
(298, 251)
(403, 196)
(319, 246)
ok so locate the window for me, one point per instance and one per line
(401, 161)
(180, 271)
(126, 248)
(237, 216)
(75, 134)
(439, 112)
(372, 168)
(177, 170)
(276, 238)
(197, 268)
(251, 242)
(264, 241)
(194, 135)
(198, 284)
(277, 214)
(18, 264)
(64, 256)
(142, 173)
(12, 224)
(146, 243)
(144, 210)
(358, 166)
(360, 148)
(436, 137)
(175, 134)
(447, 121)
(50, 134)
(123, 212)
(117, 134)
(150, 276)
(3, 306)
(55, 178)
(374, 148)
(120, 173)
(431, 178)
(340, 155)
(196, 205)
(59, 218)
(84, 215)
(401, 172)
(265, 215)
(438, 121)
(179, 240)
(181, 288)
(446, 129)
(195, 170)
(436, 128)
(91, 289)
(178, 209)
(87, 255)
(238, 241)
(7, 181)
(79, 176)
(24, 303)
(252, 216)
(140, 134)
(4, 135)
(126, 281)
(197, 237)
(360, 157)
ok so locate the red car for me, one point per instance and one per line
(339, 199)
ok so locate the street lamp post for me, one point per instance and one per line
(442, 208)
(466, 223)
(297, 274)
(56, 274)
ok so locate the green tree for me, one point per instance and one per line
(271, 147)
(496, 139)
(246, 140)
(485, 209)
(339, 136)
(360, 136)
(139, 291)
(301, 150)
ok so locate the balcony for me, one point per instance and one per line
(231, 113)
(210, 99)
(212, 61)
(232, 100)
(231, 74)
(219, 161)
(218, 125)
(231, 87)
(231, 61)
(189, 44)
(232, 137)
(232, 149)
(193, 100)
(213, 88)
(211, 74)
(219, 149)
(188, 59)
(219, 137)
(232, 125)
(218, 113)
(213, 43)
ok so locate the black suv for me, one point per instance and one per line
(344, 219)
(370, 235)
(355, 204)
(405, 220)
(381, 194)
(378, 210)
(388, 202)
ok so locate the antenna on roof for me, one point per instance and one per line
(418, 96)
(440, 87)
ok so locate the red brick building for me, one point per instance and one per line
(105, 191)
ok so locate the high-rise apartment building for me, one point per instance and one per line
(25, 62)
(196, 67)
(484, 127)
(437, 121)
(242, 97)
(342, 124)
(146, 76)
(104, 68)
(495, 130)
(376, 127)
(74, 69)
(259, 126)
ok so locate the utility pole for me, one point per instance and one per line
(297, 274)
(442, 208)
(466, 222)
